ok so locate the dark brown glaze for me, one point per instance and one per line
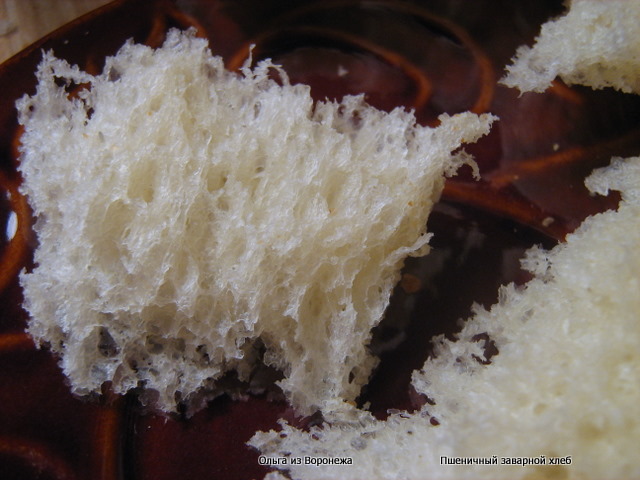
(438, 56)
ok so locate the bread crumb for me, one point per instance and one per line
(547, 221)
(193, 221)
(596, 43)
(562, 394)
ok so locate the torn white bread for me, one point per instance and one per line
(596, 43)
(188, 217)
(564, 385)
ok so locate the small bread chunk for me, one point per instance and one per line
(561, 399)
(597, 44)
(193, 221)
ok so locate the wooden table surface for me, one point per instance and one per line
(24, 21)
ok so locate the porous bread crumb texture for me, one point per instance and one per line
(596, 43)
(188, 216)
(566, 380)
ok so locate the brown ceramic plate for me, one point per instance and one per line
(431, 56)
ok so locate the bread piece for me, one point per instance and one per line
(565, 383)
(188, 216)
(597, 43)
